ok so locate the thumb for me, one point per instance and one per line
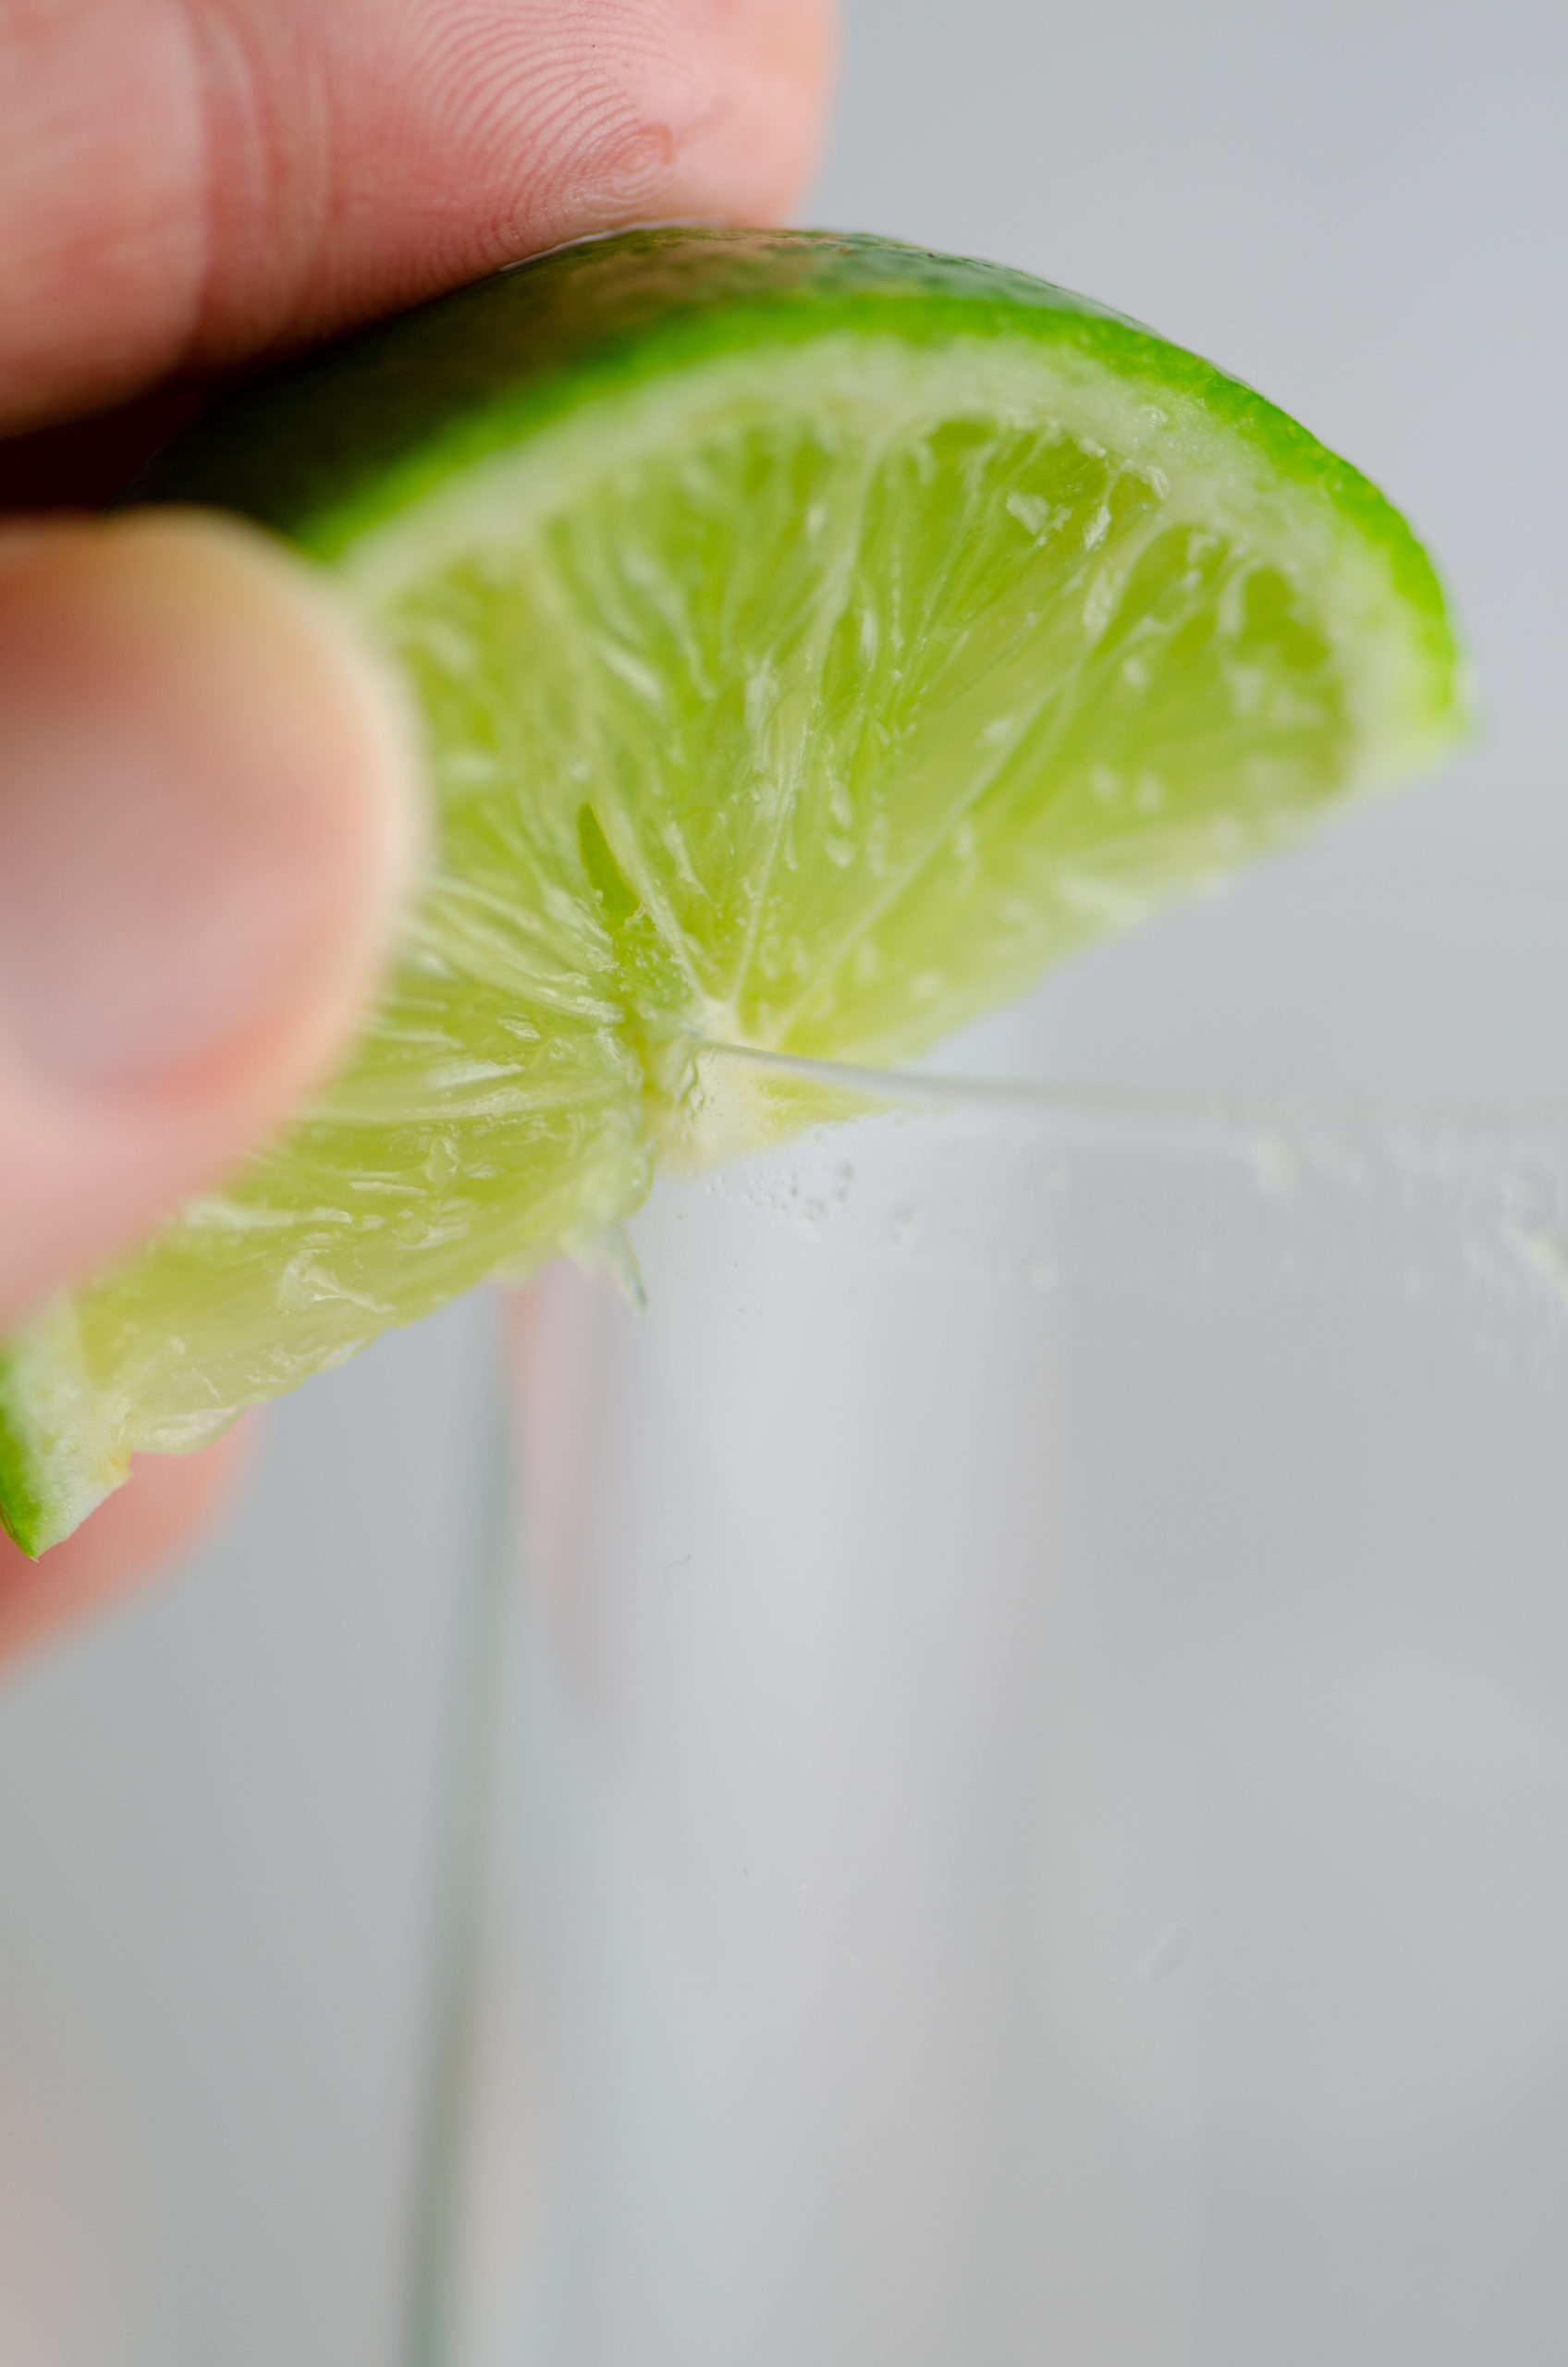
(208, 820)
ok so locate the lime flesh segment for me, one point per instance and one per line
(815, 639)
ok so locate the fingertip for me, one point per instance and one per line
(753, 159)
(209, 821)
(224, 183)
(707, 110)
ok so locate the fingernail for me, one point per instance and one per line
(207, 816)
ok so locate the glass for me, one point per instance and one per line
(1022, 1809)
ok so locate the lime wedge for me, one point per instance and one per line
(814, 638)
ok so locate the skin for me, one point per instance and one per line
(209, 814)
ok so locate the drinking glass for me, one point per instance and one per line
(1017, 1796)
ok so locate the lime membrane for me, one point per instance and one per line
(815, 639)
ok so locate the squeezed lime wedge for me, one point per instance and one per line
(814, 638)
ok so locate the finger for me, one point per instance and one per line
(165, 1508)
(208, 822)
(187, 183)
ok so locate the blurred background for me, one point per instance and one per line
(218, 1815)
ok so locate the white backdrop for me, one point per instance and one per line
(217, 1814)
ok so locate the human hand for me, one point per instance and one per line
(208, 820)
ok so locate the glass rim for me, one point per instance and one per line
(1429, 1120)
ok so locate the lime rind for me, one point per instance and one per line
(436, 390)
(424, 397)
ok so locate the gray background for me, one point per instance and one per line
(217, 1814)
